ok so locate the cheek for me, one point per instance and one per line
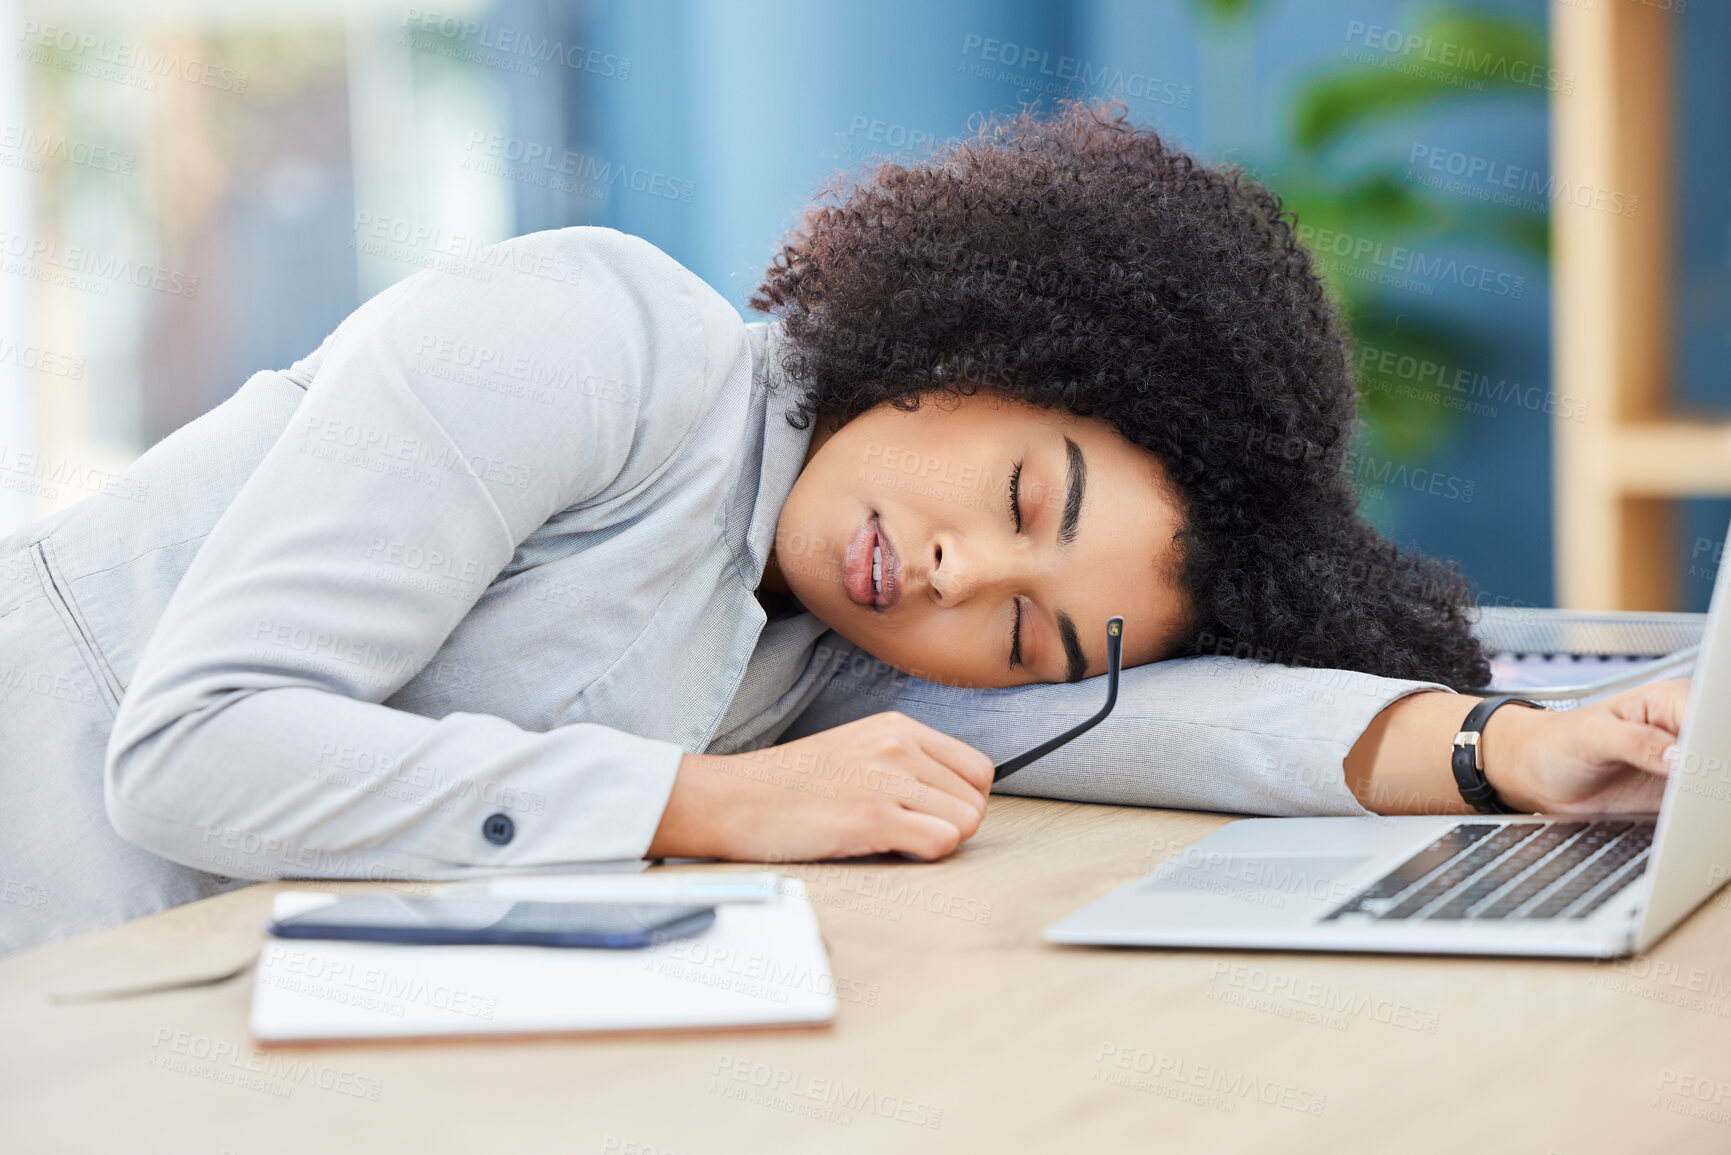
(805, 560)
(804, 540)
(916, 467)
(944, 648)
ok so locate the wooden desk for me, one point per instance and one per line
(960, 1030)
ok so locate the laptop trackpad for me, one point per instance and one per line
(1261, 878)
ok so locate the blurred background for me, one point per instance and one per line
(191, 191)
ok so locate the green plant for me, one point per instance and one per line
(1461, 57)
(1465, 57)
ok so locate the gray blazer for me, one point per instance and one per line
(456, 591)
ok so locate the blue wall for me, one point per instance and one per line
(1703, 288)
(755, 104)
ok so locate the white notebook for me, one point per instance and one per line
(759, 964)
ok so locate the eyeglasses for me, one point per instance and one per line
(1114, 659)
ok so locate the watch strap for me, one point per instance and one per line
(1467, 757)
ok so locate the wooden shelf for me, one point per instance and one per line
(1621, 464)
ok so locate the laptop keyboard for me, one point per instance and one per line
(1540, 869)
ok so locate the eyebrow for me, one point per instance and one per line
(1076, 662)
(1078, 480)
(1077, 667)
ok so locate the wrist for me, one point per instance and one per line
(1509, 745)
(692, 822)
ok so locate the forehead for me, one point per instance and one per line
(1136, 473)
(1129, 519)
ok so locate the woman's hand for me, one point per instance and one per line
(1606, 758)
(881, 783)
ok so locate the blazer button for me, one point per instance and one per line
(499, 829)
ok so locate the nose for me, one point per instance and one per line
(946, 574)
(957, 571)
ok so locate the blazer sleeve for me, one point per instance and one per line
(1208, 733)
(282, 641)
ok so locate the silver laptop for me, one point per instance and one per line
(1591, 887)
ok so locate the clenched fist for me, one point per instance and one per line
(882, 783)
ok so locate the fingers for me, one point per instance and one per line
(1634, 744)
(882, 783)
(926, 837)
(962, 814)
(1658, 704)
(951, 778)
(971, 765)
(935, 778)
(896, 744)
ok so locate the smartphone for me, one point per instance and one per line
(499, 921)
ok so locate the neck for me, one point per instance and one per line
(773, 582)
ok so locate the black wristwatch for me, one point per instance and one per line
(1468, 762)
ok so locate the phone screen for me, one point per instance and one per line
(499, 921)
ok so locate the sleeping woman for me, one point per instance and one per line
(549, 557)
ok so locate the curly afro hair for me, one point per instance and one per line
(1077, 262)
